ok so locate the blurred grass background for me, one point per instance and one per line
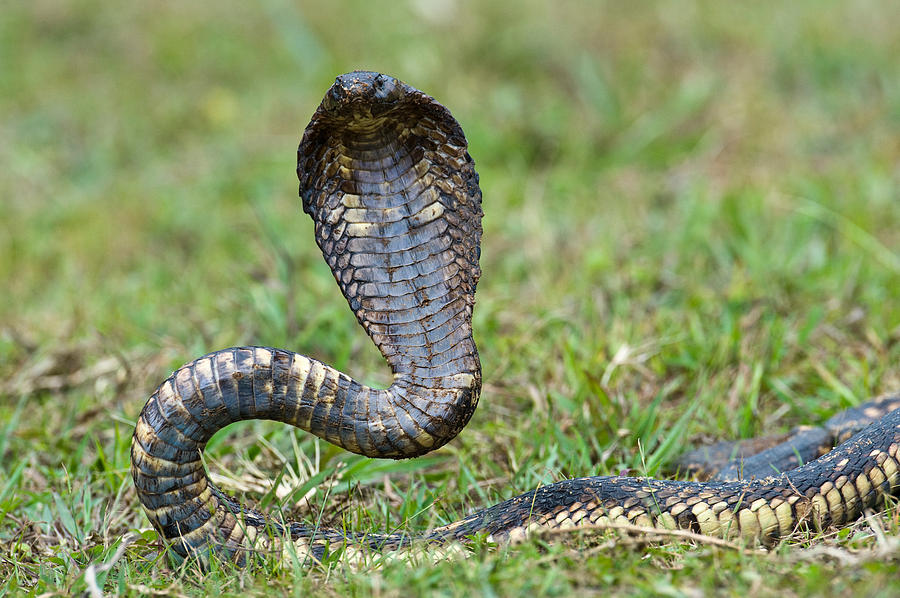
(692, 214)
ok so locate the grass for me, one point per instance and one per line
(692, 215)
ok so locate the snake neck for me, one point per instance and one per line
(385, 175)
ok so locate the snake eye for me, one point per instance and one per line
(386, 88)
(328, 102)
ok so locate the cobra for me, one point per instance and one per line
(386, 176)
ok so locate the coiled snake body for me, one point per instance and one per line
(386, 176)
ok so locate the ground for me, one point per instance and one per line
(692, 215)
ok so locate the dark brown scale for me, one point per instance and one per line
(386, 176)
(765, 456)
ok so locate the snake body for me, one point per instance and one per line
(386, 176)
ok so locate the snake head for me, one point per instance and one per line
(374, 93)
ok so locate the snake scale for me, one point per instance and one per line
(386, 176)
